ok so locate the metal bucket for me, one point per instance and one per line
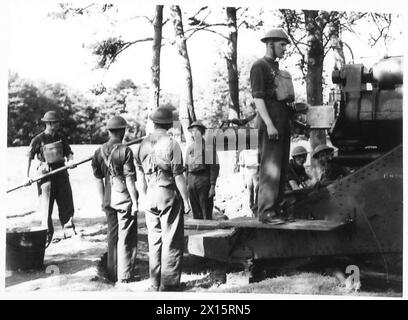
(25, 249)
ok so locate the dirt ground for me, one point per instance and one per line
(73, 264)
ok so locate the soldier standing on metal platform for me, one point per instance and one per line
(51, 148)
(115, 174)
(160, 168)
(273, 123)
(202, 169)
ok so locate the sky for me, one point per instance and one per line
(55, 50)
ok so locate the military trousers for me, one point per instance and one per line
(274, 160)
(165, 225)
(55, 188)
(251, 180)
(122, 244)
(198, 187)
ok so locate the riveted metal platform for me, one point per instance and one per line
(254, 223)
(370, 197)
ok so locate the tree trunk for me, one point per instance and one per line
(339, 60)
(155, 67)
(314, 83)
(186, 111)
(231, 58)
(335, 42)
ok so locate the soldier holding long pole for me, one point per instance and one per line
(51, 148)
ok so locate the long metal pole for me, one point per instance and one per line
(75, 164)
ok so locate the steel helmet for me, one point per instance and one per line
(276, 34)
(320, 148)
(197, 124)
(50, 116)
(298, 151)
(162, 115)
(117, 122)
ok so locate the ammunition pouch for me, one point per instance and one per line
(53, 152)
(284, 90)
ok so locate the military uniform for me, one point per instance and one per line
(159, 158)
(297, 173)
(202, 169)
(57, 187)
(249, 162)
(330, 171)
(113, 162)
(274, 154)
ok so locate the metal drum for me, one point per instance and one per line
(25, 249)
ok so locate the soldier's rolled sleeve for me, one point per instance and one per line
(34, 148)
(129, 169)
(257, 77)
(177, 166)
(66, 149)
(138, 162)
(96, 168)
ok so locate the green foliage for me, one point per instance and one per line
(211, 103)
(107, 50)
(84, 117)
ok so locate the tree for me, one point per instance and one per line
(154, 103)
(109, 49)
(313, 33)
(28, 102)
(199, 22)
(186, 108)
(211, 100)
(231, 58)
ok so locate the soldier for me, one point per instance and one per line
(160, 168)
(202, 169)
(249, 164)
(329, 170)
(115, 175)
(51, 148)
(273, 123)
(297, 176)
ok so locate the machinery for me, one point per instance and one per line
(369, 122)
(361, 213)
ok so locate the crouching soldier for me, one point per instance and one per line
(160, 168)
(328, 169)
(51, 148)
(202, 168)
(115, 174)
(297, 176)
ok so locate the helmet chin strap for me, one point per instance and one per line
(273, 50)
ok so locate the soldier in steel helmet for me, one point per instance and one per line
(273, 123)
(202, 169)
(115, 177)
(51, 148)
(160, 168)
(328, 169)
(297, 176)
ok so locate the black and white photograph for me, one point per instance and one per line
(203, 150)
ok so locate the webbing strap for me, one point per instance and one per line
(108, 161)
